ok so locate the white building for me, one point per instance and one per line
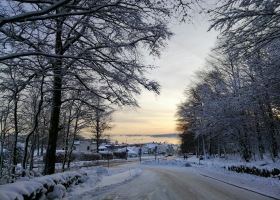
(149, 148)
(85, 146)
(102, 148)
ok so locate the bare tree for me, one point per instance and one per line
(95, 44)
(247, 26)
(99, 121)
(234, 104)
(35, 123)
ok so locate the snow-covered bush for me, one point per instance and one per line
(57, 193)
(77, 156)
(82, 156)
(7, 154)
(275, 173)
(45, 187)
(59, 157)
(8, 177)
(106, 155)
(120, 155)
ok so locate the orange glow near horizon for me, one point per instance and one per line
(154, 117)
(185, 54)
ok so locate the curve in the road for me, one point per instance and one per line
(176, 184)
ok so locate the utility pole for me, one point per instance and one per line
(108, 147)
(140, 150)
(126, 150)
(155, 150)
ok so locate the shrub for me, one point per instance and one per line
(120, 155)
(255, 171)
(275, 172)
(82, 156)
(76, 156)
(106, 156)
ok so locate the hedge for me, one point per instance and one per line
(40, 188)
(275, 173)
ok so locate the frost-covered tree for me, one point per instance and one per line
(96, 44)
(14, 81)
(34, 103)
(99, 122)
(5, 126)
(236, 104)
(238, 91)
(247, 26)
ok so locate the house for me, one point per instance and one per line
(170, 149)
(149, 148)
(131, 153)
(102, 148)
(85, 146)
(136, 149)
(90, 146)
(129, 150)
(161, 149)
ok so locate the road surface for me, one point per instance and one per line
(174, 184)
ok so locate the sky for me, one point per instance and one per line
(185, 54)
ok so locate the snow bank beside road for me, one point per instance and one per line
(45, 187)
(78, 183)
(96, 185)
(268, 186)
(213, 168)
(221, 165)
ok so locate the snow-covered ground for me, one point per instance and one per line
(94, 180)
(214, 168)
(109, 179)
(269, 186)
(101, 179)
(211, 168)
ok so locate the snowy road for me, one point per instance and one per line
(174, 184)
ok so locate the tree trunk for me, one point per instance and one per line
(2, 137)
(98, 133)
(270, 123)
(74, 137)
(43, 136)
(209, 148)
(42, 145)
(38, 144)
(97, 136)
(54, 124)
(14, 160)
(273, 142)
(219, 146)
(66, 141)
(204, 149)
(260, 145)
(197, 148)
(33, 145)
(56, 104)
(273, 145)
(244, 146)
(35, 124)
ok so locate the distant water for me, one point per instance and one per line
(144, 139)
